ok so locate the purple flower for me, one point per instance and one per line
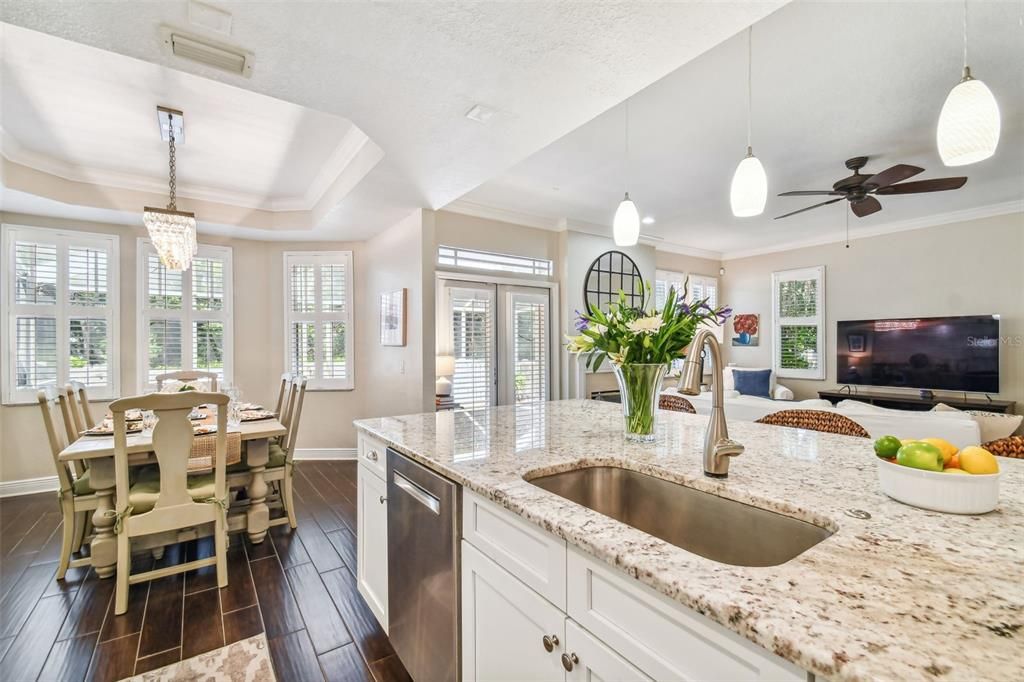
(581, 322)
(724, 313)
(684, 308)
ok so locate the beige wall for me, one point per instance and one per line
(258, 312)
(958, 269)
(483, 234)
(691, 265)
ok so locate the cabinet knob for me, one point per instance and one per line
(550, 642)
(568, 660)
(383, 499)
(373, 457)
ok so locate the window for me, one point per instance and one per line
(318, 317)
(699, 287)
(60, 311)
(483, 260)
(184, 317)
(798, 312)
(665, 280)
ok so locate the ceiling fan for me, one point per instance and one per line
(858, 188)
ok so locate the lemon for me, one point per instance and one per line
(954, 471)
(976, 460)
(904, 441)
(947, 448)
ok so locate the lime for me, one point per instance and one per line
(887, 446)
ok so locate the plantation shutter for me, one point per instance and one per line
(665, 280)
(799, 323)
(318, 326)
(529, 329)
(470, 312)
(185, 315)
(60, 311)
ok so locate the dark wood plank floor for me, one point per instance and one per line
(298, 587)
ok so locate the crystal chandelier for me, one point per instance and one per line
(172, 232)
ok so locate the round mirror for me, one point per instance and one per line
(610, 273)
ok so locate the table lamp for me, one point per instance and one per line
(444, 367)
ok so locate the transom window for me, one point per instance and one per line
(318, 317)
(184, 317)
(484, 260)
(60, 311)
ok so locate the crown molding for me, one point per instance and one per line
(963, 215)
(471, 208)
(342, 156)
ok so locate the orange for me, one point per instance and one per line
(954, 462)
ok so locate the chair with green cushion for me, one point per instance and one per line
(77, 499)
(279, 460)
(166, 498)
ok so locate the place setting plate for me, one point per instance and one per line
(107, 429)
(256, 415)
(204, 429)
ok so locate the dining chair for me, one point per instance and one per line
(287, 379)
(280, 468)
(815, 420)
(82, 400)
(165, 498)
(185, 376)
(77, 499)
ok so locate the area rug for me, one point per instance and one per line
(245, 661)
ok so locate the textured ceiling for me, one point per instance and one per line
(406, 73)
(830, 81)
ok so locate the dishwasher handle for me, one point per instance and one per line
(417, 493)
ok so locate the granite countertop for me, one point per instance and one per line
(906, 594)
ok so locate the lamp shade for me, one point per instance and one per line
(626, 225)
(969, 123)
(444, 365)
(749, 190)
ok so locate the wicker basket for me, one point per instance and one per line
(675, 403)
(815, 420)
(1011, 446)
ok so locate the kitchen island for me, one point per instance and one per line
(894, 593)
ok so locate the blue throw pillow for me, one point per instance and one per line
(754, 382)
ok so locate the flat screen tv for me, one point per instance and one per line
(935, 353)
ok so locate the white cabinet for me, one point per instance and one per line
(588, 659)
(506, 627)
(372, 542)
(608, 626)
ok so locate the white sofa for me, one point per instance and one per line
(958, 428)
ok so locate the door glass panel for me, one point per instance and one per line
(472, 337)
(529, 344)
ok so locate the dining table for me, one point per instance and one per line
(97, 452)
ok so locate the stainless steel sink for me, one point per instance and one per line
(716, 528)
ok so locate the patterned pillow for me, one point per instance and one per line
(995, 425)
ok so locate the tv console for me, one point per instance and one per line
(910, 401)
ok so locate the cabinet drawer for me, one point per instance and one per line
(527, 552)
(661, 637)
(373, 453)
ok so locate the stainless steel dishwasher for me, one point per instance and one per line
(423, 570)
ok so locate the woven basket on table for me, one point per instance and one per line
(1011, 446)
(815, 420)
(676, 403)
(205, 447)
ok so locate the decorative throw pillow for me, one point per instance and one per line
(993, 425)
(753, 382)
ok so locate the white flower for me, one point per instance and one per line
(646, 325)
(599, 328)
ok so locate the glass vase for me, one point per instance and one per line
(639, 387)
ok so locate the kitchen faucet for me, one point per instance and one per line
(718, 447)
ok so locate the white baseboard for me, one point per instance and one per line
(28, 486)
(325, 453)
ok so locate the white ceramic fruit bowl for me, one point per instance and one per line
(950, 493)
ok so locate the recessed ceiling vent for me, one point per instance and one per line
(230, 58)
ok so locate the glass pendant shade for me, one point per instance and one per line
(749, 191)
(626, 225)
(173, 234)
(969, 123)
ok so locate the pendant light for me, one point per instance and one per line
(969, 124)
(749, 190)
(172, 232)
(626, 224)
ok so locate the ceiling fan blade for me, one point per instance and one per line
(935, 185)
(865, 206)
(830, 201)
(889, 176)
(810, 193)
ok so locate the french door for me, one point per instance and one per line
(500, 337)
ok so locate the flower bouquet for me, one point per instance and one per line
(640, 343)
